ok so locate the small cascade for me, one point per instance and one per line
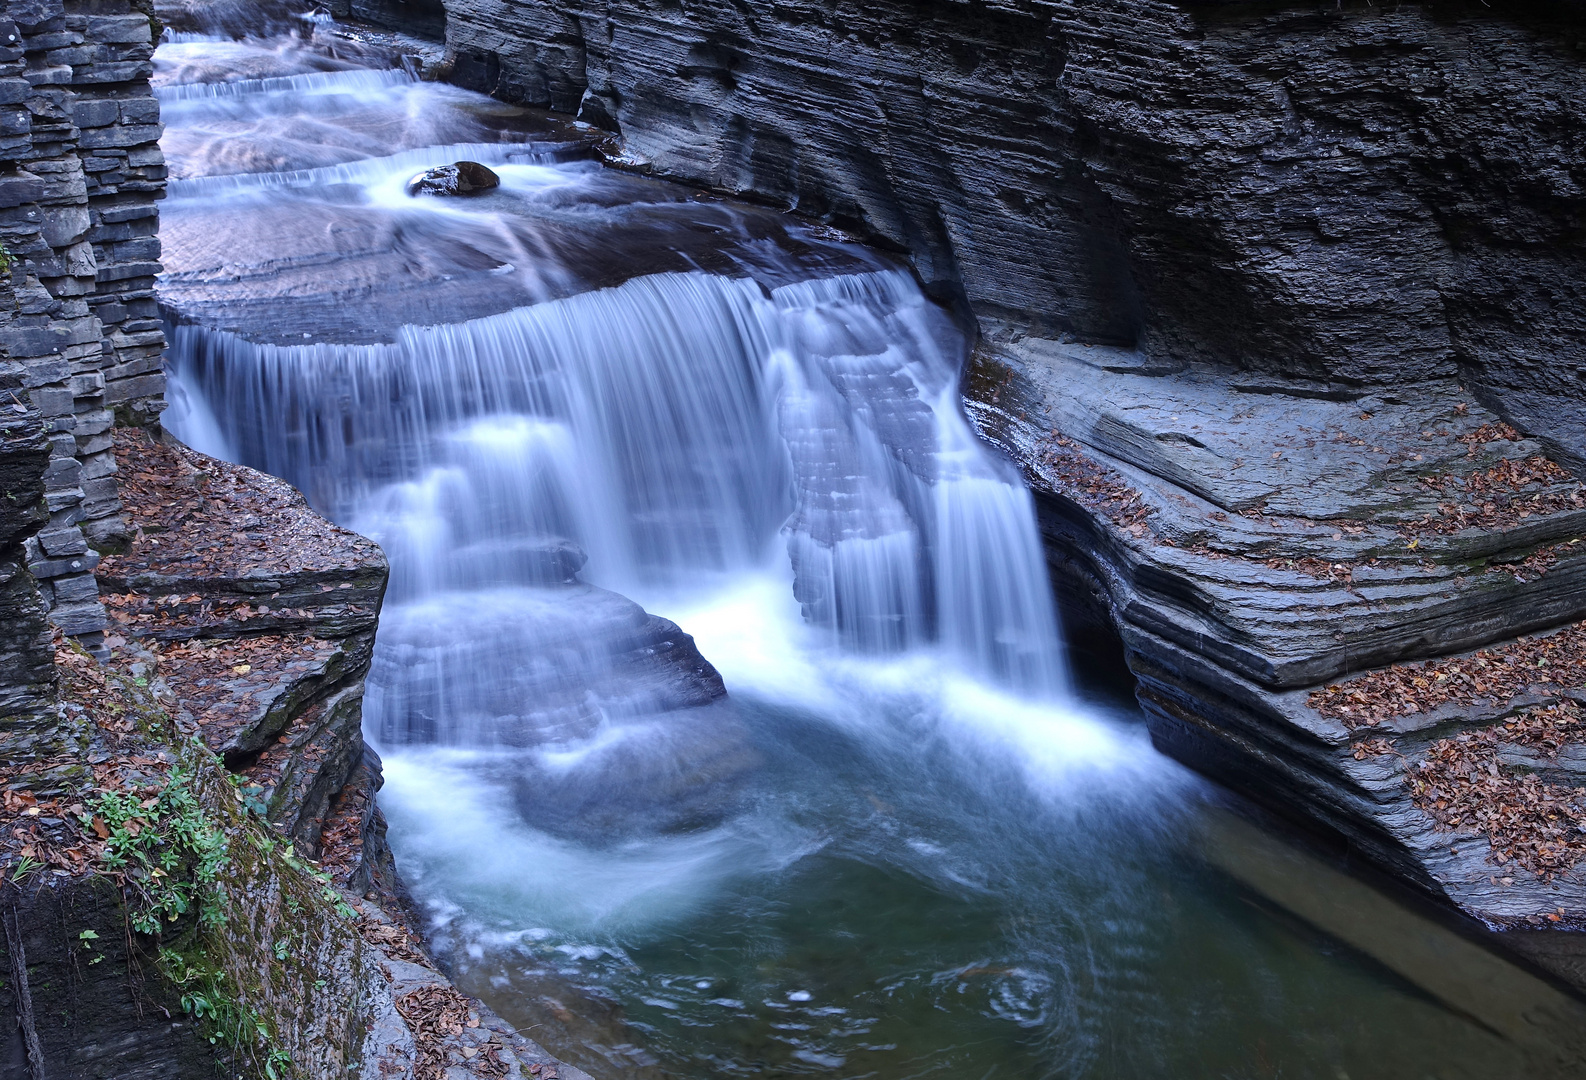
(356, 81)
(669, 426)
(367, 171)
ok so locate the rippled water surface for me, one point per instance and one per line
(904, 844)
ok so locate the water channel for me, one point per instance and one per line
(909, 841)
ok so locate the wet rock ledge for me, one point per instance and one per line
(195, 874)
(1363, 612)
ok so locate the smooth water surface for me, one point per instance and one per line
(903, 844)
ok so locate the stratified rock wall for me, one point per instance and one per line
(1340, 196)
(27, 669)
(82, 168)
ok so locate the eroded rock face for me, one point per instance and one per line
(259, 616)
(1263, 289)
(1339, 197)
(462, 178)
(1266, 561)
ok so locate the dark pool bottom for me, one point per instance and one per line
(907, 899)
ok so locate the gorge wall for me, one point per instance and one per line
(1281, 314)
(80, 340)
(1337, 196)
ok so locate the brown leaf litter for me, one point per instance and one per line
(1464, 783)
(1096, 487)
(1550, 664)
(1500, 497)
(437, 1014)
(198, 517)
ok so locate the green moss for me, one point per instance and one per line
(209, 995)
(245, 932)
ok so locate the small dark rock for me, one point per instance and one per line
(460, 178)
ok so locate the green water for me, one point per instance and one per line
(914, 888)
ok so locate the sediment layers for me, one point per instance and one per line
(1281, 316)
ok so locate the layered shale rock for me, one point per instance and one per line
(1338, 196)
(79, 337)
(27, 677)
(1256, 558)
(1281, 313)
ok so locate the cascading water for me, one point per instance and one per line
(902, 845)
(689, 418)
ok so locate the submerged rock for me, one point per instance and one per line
(460, 178)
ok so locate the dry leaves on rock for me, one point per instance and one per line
(199, 517)
(1500, 497)
(341, 838)
(1093, 485)
(1552, 663)
(1320, 569)
(437, 1015)
(1536, 564)
(1487, 433)
(1370, 748)
(227, 683)
(1463, 784)
(393, 940)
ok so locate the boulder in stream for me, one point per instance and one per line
(458, 178)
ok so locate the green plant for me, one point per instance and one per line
(205, 995)
(26, 866)
(166, 850)
(277, 1064)
(252, 798)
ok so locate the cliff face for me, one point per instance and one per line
(1337, 197)
(80, 339)
(1282, 317)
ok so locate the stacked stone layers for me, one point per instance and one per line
(79, 130)
(27, 670)
(1337, 197)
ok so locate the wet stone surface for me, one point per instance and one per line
(462, 178)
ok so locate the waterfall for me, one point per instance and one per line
(360, 172)
(357, 81)
(586, 402)
(672, 425)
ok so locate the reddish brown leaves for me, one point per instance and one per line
(437, 1015)
(1370, 748)
(1465, 784)
(1489, 433)
(1550, 663)
(1500, 497)
(1320, 569)
(198, 517)
(394, 941)
(1093, 485)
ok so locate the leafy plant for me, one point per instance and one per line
(226, 1022)
(26, 866)
(166, 850)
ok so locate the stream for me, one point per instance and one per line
(909, 841)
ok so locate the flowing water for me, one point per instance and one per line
(904, 843)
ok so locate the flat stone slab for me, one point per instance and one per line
(220, 550)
